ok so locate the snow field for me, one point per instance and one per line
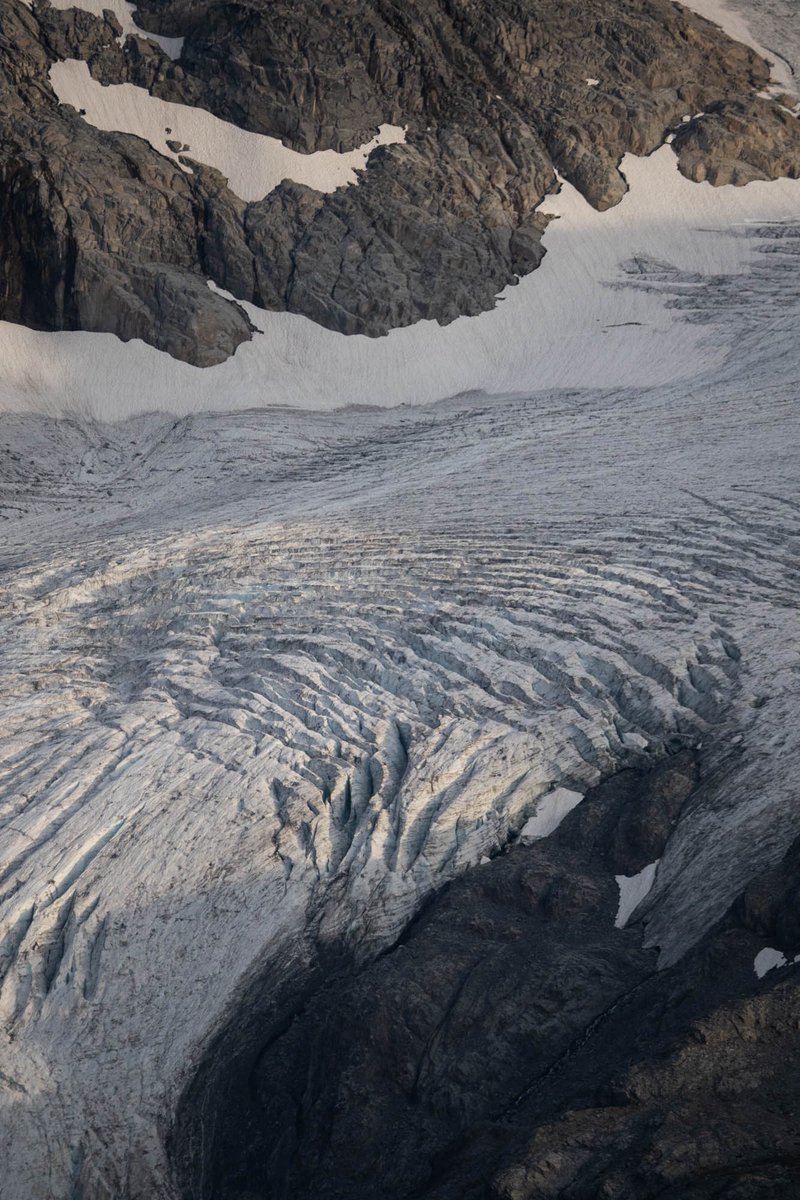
(590, 316)
(252, 163)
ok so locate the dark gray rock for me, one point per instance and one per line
(515, 1045)
(98, 231)
(495, 99)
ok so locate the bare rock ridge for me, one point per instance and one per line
(98, 231)
(514, 1045)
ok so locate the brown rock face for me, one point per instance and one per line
(98, 231)
(739, 141)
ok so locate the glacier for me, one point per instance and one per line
(275, 668)
(291, 642)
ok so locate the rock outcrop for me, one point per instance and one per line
(514, 1045)
(736, 142)
(100, 232)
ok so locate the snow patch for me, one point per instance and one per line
(769, 959)
(632, 890)
(253, 163)
(550, 812)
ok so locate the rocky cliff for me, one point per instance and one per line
(515, 1045)
(100, 231)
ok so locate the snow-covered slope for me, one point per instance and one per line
(253, 164)
(599, 312)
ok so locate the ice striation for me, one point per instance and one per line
(277, 670)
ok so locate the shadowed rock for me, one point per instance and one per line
(516, 1046)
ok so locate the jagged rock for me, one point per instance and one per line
(515, 1046)
(737, 142)
(495, 99)
(101, 233)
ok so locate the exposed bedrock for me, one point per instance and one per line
(99, 231)
(515, 1044)
(295, 674)
(736, 142)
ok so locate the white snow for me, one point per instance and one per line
(123, 11)
(767, 960)
(253, 163)
(550, 812)
(632, 890)
(580, 320)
